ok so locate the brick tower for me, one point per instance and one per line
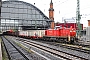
(51, 14)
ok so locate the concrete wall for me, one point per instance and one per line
(88, 33)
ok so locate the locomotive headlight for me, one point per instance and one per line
(73, 31)
(70, 31)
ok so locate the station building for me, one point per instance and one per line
(68, 25)
(19, 15)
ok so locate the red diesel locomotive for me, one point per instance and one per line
(65, 34)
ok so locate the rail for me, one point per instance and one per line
(55, 52)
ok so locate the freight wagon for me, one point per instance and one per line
(23, 33)
(36, 33)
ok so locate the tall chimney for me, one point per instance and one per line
(88, 22)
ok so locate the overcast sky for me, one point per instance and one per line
(65, 9)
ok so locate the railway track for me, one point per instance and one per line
(53, 51)
(77, 48)
(13, 52)
(16, 52)
(68, 46)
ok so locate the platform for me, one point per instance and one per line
(0, 51)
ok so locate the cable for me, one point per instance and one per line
(61, 3)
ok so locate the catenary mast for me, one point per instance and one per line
(78, 17)
(0, 13)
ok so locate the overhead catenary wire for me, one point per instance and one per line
(70, 11)
(61, 3)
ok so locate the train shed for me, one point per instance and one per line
(19, 15)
